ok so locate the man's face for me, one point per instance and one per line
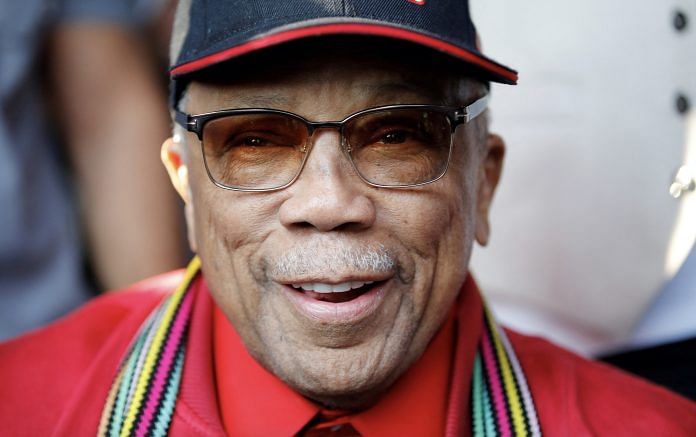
(406, 250)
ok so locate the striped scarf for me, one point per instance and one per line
(143, 395)
(501, 402)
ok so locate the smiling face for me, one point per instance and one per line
(270, 258)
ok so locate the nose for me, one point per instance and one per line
(328, 195)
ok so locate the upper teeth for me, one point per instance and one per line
(318, 287)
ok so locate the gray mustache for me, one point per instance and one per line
(332, 259)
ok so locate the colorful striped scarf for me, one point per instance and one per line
(142, 398)
(501, 402)
(143, 395)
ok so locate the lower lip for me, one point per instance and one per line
(351, 311)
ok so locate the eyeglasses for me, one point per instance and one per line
(396, 146)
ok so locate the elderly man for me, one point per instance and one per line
(336, 167)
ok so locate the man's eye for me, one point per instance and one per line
(394, 137)
(251, 140)
(245, 144)
(254, 142)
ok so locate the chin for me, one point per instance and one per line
(344, 379)
(358, 395)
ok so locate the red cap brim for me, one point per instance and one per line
(499, 73)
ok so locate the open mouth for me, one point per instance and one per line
(347, 302)
(336, 293)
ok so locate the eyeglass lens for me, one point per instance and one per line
(254, 151)
(396, 147)
(400, 146)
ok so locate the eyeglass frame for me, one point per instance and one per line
(456, 115)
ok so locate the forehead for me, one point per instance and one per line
(295, 74)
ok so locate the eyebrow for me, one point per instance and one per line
(257, 101)
(396, 88)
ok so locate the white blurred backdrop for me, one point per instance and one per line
(584, 232)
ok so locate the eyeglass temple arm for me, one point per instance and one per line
(474, 110)
(181, 118)
(186, 121)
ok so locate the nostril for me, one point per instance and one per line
(327, 211)
(342, 227)
(303, 225)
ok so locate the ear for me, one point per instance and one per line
(172, 155)
(489, 175)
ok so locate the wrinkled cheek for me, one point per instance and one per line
(220, 227)
(454, 246)
(448, 223)
(456, 249)
(210, 238)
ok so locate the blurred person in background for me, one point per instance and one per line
(81, 118)
(613, 92)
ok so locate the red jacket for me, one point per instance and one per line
(55, 380)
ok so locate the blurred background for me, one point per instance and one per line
(87, 205)
(589, 248)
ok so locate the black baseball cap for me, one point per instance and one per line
(219, 31)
